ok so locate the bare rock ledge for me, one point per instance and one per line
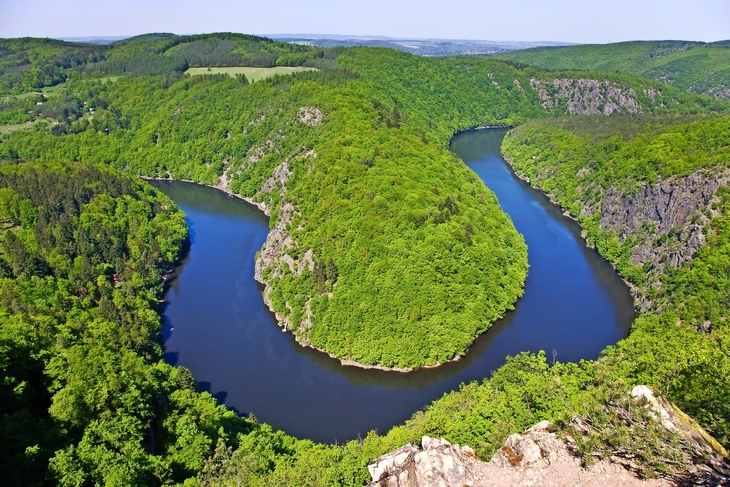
(534, 458)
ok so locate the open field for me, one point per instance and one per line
(48, 91)
(107, 78)
(252, 74)
(6, 129)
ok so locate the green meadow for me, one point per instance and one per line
(252, 74)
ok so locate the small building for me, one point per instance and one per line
(39, 103)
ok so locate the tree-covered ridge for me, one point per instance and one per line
(665, 350)
(30, 64)
(622, 152)
(579, 164)
(681, 349)
(349, 203)
(34, 63)
(696, 67)
(149, 427)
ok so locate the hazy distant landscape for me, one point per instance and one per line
(422, 47)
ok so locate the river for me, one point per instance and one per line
(215, 322)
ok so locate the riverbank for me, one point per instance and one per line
(225, 333)
(632, 287)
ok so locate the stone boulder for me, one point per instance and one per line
(440, 464)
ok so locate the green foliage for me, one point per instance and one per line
(621, 427)
(416, 281)
(577, 163)
(696, 67)
(84, 395)
(31, 64)
(412, 255)
(702, 291)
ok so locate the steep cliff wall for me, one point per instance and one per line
(645, 189)
(666, 221)
(584, 96)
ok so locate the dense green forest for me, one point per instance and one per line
(385, 118)
(578, 163)
(695, 67)
(28, 64)
(625, 154)
(412, 256)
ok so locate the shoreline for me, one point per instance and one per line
(281, 323)
(633, 289)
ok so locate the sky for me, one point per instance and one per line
(580, 21)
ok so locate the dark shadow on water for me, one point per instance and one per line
(220, 396)
(172, 358)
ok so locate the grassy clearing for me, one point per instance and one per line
(6, 129)
(107, 78)
(252, 74)
(48, 90)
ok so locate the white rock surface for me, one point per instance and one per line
(536, 458)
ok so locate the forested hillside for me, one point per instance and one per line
(695, 67)
(384, 249)
(652, 195)
(327, 154)
(31, 64)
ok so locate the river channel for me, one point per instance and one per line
(216, 324)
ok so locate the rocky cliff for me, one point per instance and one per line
(666, 221)
(585, 96)
(539, 457)
(276, 251)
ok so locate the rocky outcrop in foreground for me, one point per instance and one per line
(534, 458)
(538, 457)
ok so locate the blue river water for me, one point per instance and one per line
(216, 323)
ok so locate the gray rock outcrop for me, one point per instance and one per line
(666, 220)
(536, 457)
(675, 420)
(585, 96)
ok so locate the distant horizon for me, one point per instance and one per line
(298, 36)
(313, 36)
(560, 21)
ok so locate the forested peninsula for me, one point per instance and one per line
(384, 250)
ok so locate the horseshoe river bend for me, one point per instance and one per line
(216, 324)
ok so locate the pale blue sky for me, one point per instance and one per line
(582, 21)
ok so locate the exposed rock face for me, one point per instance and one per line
(279, 177)
(585, 96)
(538, 457)
(534, 458)
(440, 464)
(311, 116)
(275, 251)
(666, 218)
(721, 91)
